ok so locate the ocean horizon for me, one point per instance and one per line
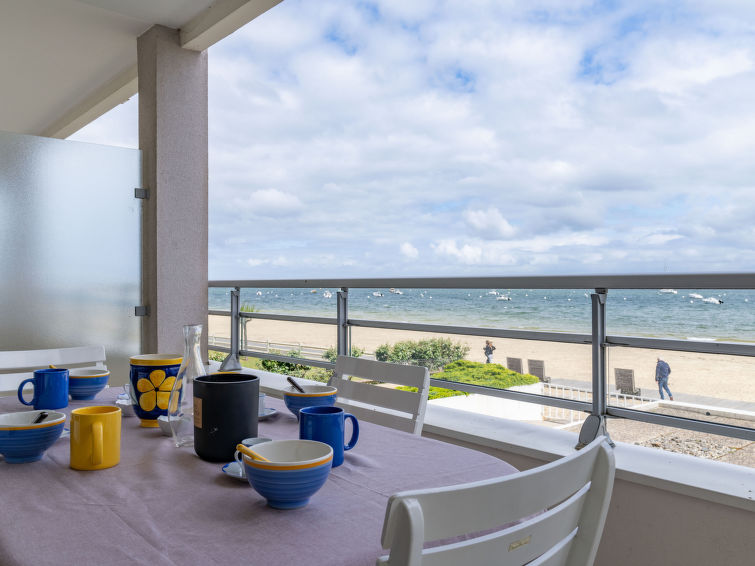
(702, 315)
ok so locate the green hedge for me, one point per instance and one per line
(488, 375)
(476, 373)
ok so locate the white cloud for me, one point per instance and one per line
(409, 251)
(269, 202)
(489, 223)
(467, 254)
(544, 136)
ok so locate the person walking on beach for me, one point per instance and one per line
(662, 371)
(488, 349)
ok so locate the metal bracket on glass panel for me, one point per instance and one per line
(593, 427)
(142, 310)
(141, 193)
(232, 361)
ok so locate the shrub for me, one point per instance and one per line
(331, 354)
(433, 353)
(294, 369)
(289, 368)
(216, 356)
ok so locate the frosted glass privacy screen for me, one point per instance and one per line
(69, 247)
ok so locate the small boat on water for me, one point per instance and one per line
(327, 294)
(695, 296)
(313, 291)
(670, 291)
(713, 301)
(503, 298)
(377, 294)
(396, 291)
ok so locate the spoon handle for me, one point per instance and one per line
(296, 385)
(42, 416)
(251, 453)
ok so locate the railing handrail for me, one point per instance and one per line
(626, 281)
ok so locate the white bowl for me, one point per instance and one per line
(292, 453)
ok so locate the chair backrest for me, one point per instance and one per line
(558, 511)
(625, 381)
(536, 368)
(514, 364)
(383, 405)
(15, 366)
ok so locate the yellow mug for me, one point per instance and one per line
(95, 437)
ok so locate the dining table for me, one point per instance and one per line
(163, 505)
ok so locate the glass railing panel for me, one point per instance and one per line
(724, 315)
(294, 301)
(565, 310)
(716, 447)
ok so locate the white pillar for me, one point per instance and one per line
(173, 140)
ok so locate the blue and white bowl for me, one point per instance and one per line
(296, 471)
(84, 384)
(313, 396)
(23, 441)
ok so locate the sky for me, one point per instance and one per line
(461, 138)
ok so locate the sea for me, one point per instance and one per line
(703, 315)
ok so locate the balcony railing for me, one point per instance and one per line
(598, 408)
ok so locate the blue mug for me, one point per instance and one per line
(327, 424)
(50, 389)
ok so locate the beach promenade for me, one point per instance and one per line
(717, 378)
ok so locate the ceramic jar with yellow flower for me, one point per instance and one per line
(152, 378)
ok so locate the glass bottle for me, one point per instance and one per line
(180, 404)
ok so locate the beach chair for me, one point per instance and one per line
(625, 381)
(514, 364)
(556, 515)
(383, 405)
(15, 366)
(537, 368)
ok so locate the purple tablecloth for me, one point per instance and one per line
(164, 506)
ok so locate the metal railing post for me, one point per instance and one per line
(595, 424)
(232, 361)
(342, 317)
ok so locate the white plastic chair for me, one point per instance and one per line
(561, 508)
(402, 410)
(15, 366)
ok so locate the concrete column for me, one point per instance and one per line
(173, 140)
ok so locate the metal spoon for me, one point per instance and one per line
(296, 385)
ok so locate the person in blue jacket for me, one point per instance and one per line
(662, 371)
(489, 348)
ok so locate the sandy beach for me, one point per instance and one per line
(707, 375)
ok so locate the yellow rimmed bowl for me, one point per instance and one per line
(152, 377)
(313, 396)
(21, 440)
(84, 384)
(296, 470)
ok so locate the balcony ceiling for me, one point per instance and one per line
(65, 62)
